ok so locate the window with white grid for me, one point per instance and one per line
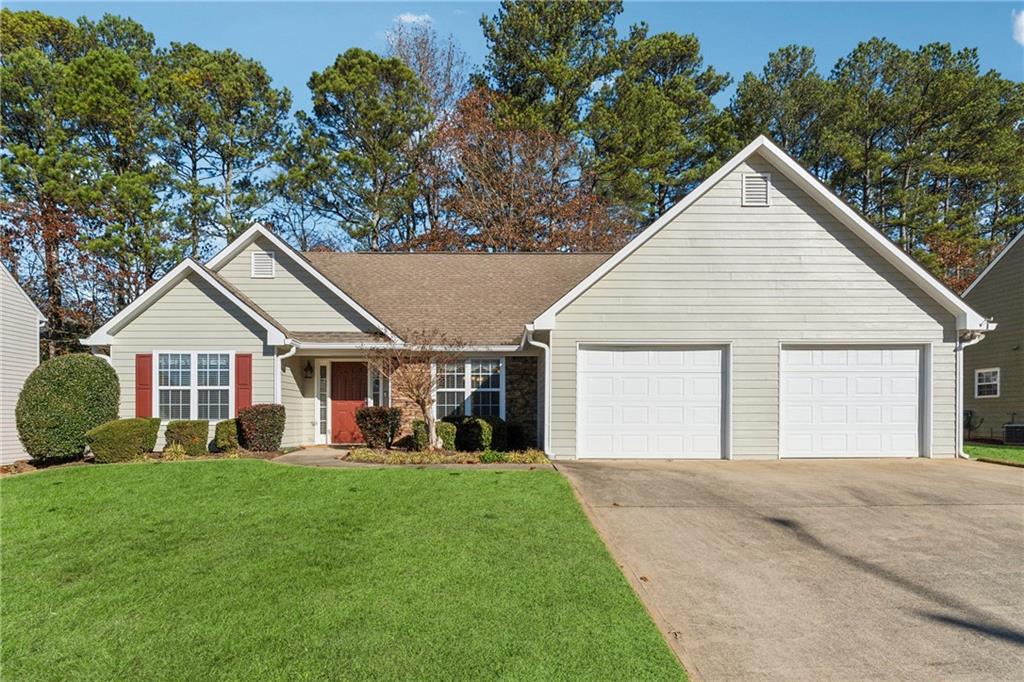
(194, 385)
(474, 387)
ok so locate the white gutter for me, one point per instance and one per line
(961, 343)
(277, 369)
(308, 345)
(547, 388)
(95, 350)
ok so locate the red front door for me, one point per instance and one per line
(348, 394)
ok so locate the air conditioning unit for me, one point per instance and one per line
(1013, 434)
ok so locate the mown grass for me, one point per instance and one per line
(251, 570)
(1005, 453)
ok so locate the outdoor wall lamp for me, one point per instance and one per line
(307, 371)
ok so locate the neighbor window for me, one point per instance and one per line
(986, 383)
(194, 385)
(481, 395)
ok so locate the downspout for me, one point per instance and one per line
(962, 341)
(547, 388)
(277, 368)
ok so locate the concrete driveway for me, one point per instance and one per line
(815, 570)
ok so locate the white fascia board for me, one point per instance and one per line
(102, 336)
(258, 230)
(966, 317)
(992, 264)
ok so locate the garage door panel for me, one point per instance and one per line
(650, 403)
(851, 402)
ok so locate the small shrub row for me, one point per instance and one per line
(445, 431)
(123, 440)
(262, 427)
(379, 425)
(191, 434)
(472, 434)
(225, 435)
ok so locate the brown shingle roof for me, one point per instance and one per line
(337, 337)
(480, 298)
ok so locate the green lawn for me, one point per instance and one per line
(1006, 453)
(251, 570)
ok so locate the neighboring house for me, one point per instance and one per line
(20, 321)
(994, 367)
(759, 317)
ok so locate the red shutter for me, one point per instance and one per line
(243, 381)
(144, 385)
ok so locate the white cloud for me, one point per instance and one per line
(410, 18)
(1018, 26)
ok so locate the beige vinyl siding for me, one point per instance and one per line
(293, 297)
(297, 398)
(999, 295)
(756, 277)
(191, 316)
(19, 355)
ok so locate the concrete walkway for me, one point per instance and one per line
(822, 570)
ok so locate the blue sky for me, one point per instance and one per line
(294, 39)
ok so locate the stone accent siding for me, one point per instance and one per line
(521, 394)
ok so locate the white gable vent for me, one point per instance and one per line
(756, 188)
(262, 264)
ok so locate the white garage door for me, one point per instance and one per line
(851, 402)
(637, 402)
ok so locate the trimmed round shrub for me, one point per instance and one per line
(61, 400)
(445, 431)
(191, 434)
(262, 427)
(154, 431)
(420, 437)
(499, 433)
(120, 440)
(379, 425)
(225, 435)
(473, 434)
(515, 436)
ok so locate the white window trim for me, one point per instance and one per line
(998, 382)
(370, 371)
(318, 438)
(273, 264)
(193, 389)
(767, 190)
(467, 387)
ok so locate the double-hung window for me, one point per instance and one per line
(986, 383)
(194, 385)
(474, 387)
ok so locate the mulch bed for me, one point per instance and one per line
(30, 465)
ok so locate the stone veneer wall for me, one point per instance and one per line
(521, 394)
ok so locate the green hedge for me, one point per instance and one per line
(379, 425)
(515, 437)
(61, 400)
(445, 431)
(225, 435)
(120, 440)
(262, 427)
(152, 433)
(191, 434)
(473, 434)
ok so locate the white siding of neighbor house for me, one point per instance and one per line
(754, 277)
(191, 316)
(19, 355)
(293, 297)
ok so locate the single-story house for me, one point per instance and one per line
(760, 317)
(994, 367)
(20, 322)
